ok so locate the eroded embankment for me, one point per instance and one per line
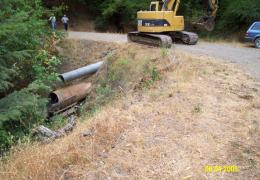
(171, 115)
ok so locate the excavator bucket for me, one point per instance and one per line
(205, 23)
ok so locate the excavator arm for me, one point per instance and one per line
(206, 22)
(170, 5)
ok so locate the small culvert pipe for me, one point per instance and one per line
(81, 72)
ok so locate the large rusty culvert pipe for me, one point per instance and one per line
(78, 73)
(65, 97)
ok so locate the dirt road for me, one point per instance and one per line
(247, 58)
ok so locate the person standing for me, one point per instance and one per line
(65, 21)
(53, 22)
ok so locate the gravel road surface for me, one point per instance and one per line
(248, 58)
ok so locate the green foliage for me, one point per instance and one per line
(5, 77)
(164, 52)
(56, 122)
(20, 112)
(104, 93)
(238, 14)
(232, 16)
(43, 71)
(21, 33)
(115, 12)
(109, 83)
(25, 61)
(152, 76)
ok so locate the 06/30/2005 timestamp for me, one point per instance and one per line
(217, 168)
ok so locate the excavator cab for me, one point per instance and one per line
(156, 5)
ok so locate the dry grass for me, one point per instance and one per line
(78, 53)
(200, 113)
(235, 39)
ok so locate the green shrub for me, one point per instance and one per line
(152, 75)
(27, 68)
(20, 112)
(232, 16)
(237, 15)
(114, 12)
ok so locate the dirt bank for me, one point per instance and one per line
(200, 113)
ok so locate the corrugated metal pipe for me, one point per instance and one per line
(78, 73)
(65, 97)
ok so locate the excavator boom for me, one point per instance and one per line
(206, 22)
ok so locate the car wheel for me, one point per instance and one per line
(257, 42)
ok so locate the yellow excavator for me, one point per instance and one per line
(160, 26)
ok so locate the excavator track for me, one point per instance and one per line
(158, 40)
(189, 38)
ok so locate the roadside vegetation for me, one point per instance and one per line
(125, 68)
(30, 60)
(155, 114)
(233, 17)
(27, 68)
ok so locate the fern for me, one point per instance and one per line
(23, 36)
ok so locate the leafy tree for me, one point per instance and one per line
(237, 15)
(20, 112)
(114, 12)
(21, 32)
(233, 16)
(27, 67)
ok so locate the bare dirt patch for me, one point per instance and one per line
(201, 112)
(79, 53)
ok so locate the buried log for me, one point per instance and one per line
(81, 72)
(45, 133)
(67, 98)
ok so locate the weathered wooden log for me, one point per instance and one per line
(68, 127)
(46, 133)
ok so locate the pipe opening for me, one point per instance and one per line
(62, 78)
(54, 98)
